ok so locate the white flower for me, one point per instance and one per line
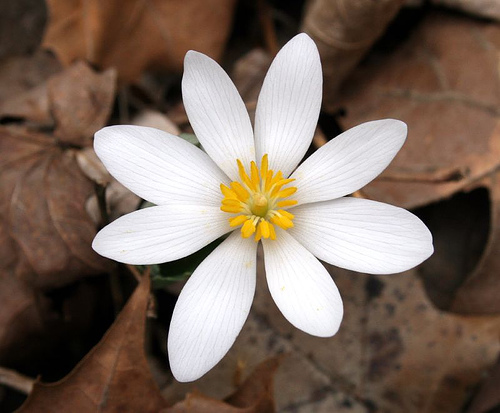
(296, 219)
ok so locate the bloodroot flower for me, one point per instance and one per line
(247, 181)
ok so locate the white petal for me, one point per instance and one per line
(289, 104)
(212, 308)
(217, 113)
(160, 234)
(362, 235)
(159, 167)
(301, 287)
(349, 161)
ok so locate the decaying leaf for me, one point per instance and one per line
(482, 8)
(76, 103)
(45, 231)
(487, 399)
(113, 377)
(42, 209)
(21, 73)
(255, 395)
(395, 351)
(134, 36)
(344, 30)
(480, 291)
(451, 109)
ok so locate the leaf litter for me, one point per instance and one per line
(395, 350)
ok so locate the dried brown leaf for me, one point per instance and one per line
(487, 399)
(134, 36)
(42, 210)
(394, 352)
(255, 395)
(113, 377)
(344, 30)
(76, 102)
(451, 109)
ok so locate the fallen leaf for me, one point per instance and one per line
(255, 395)
(76, 103)
(451, 108)
(487, 399)
(113, 377)
(453, 141)
(482, 8)
(394, 351)
(344, 30)
(42, 207)
(135, 36)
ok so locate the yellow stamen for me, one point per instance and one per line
(272, 232)
(257, 200)
(264, 228)
(286, 214)
(258, 233)
(263, 166)
(230, 209)
(248, 228)
(240, 192)
(282, 221)
(254, 171)
(285, 193)
(243, 175)
(240, 219)
(228, 193)
(286, 203)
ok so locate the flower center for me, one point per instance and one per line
(258, 201)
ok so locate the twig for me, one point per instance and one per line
(15, 380)
(266, 22)
(136, 273)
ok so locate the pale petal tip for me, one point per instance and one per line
(397, 126)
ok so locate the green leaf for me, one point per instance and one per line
(191, 138)
(179, 270)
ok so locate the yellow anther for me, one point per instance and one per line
(285, 193)
(228, 193)
(231, 209)
(277, 186)
(258, 233)
(286, 203)
(243, 175)
(286, 214)
(231, 202)
(264, 164)
(254, 175)
(264, 229)
(257, 199)
(281, 221)
(272, 232)
(240, 219)
(248, 228)
(240, 192)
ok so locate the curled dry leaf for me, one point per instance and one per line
(452, 111)
(255, 395)
(76, 103)
(487, 399)
(344, 30)
(42, 211)
(395, 352)
(113, 377)
(482, 8)
(119, 200)
(134, 36)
